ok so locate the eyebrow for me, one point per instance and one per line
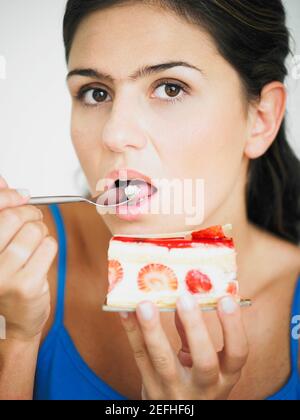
(140, 73)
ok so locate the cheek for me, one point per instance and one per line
(84, 131)
(204, 143)
(208, 145)
(86, 144)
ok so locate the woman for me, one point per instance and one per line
(216, 113)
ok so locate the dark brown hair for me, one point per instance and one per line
(252, 36)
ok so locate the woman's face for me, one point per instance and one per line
(177, 123)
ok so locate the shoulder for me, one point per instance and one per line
(286, 257)
(282, 270)
(276, 267)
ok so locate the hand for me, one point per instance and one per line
(26, 254)
(198, 372)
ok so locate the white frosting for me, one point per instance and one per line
(218, 262)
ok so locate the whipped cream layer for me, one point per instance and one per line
(217, 262)
(139, 252)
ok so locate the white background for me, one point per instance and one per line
(35, 145)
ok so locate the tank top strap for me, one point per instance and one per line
(62, 264)
(295, 328)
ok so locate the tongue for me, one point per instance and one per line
(145, 190)
(114, 196)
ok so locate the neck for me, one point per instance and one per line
(247, 237)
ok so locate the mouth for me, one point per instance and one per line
(127, 190)
(136, 191)
(132, 185)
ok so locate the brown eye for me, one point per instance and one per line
(94, 96)
(99, 95)
(172, 90)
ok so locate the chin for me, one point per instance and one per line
(147, 224)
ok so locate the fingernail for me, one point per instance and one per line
(147, 312)
(124, 315)
(187, 302)
(228, 305)
(23, 192)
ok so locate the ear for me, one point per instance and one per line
(265, 119)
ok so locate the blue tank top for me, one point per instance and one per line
(61, 372)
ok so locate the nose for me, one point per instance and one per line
(123, 129)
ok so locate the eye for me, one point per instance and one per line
(92, 96)
(172, 90)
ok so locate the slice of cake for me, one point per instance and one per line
(160, 269)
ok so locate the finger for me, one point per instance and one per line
(205, 360)
(40, 262)
(3, 183)
(12, 198)
(138, 346)
(184, 354)
(162, 355)
(236, 349)
(20, 249)
(12, 220)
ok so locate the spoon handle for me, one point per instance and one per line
(56, 199)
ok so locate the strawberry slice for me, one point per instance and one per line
(232, 288)
(214, 232)
(198, 282)
(157, 277)
(115, 274)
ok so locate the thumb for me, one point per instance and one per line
(184, 354)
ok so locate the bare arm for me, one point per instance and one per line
(26, 255)
(17, 368)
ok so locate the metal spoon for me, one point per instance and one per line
(131, 192)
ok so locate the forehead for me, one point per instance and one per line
(121, 37)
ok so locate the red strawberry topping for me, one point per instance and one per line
(115, 274)
(157, 277)
(214, 232)
(232, 288)
(198, 282)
